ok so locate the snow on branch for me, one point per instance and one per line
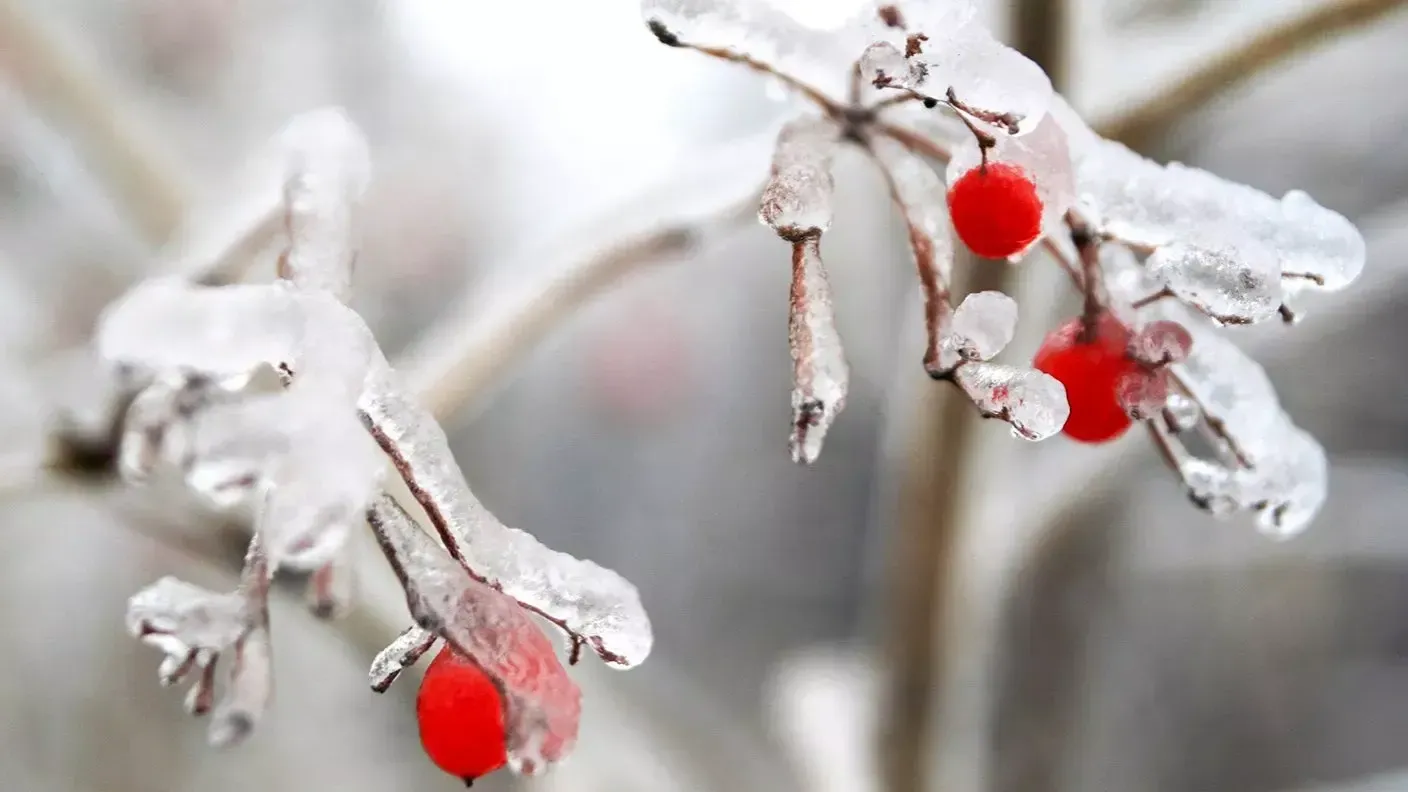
(1162, 254)
(278, 395)
(797, 204)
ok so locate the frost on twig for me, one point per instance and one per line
(542, 704)
(921, 197)
(1261, 462)
(1230, 251)
(996, 92)
(400, 654)
(197, 628)
(797, 204)
(332, 586)
(328, 172)
(593, 604)
(278, 394)
(820, 375)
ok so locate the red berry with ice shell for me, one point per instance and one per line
(1092, 367)
(996, 210)
(461, 716)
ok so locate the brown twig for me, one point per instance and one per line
(671, 39)
(440, 521)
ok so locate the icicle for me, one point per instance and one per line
(820, 376)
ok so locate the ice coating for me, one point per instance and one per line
(179, 617)
(1232, 285)
(317, 466)
(760, 31)
(400, 653)
(985, 74)
(943, 47)
(328, 168)
(922, 198)
(1161, 342)
(589, 600)
(542, 704)
(197, 629)
(1270, 466)
(169, 325)
(1033, 402)
(820, 375)
(1142, 394)
(1229, 249)
(959, 51)
(983, 326)
(884, 65)
(798, 197)
(1277, 470)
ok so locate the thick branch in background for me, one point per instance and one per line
(55, 76)
(1141, 125)
(456, 363)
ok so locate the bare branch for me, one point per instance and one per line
(669, 38)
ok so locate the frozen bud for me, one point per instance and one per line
(1142, 393)
(982, 326)
(1161, 343)
(883, 65)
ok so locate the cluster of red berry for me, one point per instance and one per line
(1111, 376)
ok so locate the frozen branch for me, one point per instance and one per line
(593, 604)
(542, 703)
(797, 204)
(399, 655)
(921, 198)
(820, 375)
(196, 628)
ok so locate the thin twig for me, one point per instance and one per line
(1242, 63)
(669, 38)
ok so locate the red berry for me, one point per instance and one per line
(461, 717)
(995, 210)
(1091, 370)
